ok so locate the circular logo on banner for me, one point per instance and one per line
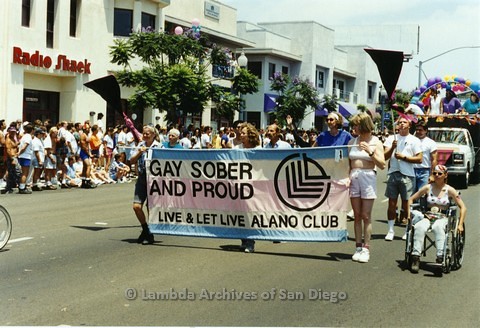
(304, 179)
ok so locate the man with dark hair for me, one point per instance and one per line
(403, 150)
(429, 158)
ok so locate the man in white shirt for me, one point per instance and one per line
(429, 158)
(403, 150)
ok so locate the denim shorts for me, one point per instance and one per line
(399, 184)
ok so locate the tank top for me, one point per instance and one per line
(357, 153)
(435, 200)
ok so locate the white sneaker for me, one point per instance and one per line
(364, 256)
(356, 256)
(350, 215)
(389, 236)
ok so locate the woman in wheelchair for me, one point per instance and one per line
(438, 195)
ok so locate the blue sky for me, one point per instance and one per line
(444, 25)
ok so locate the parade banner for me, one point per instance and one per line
(263, 194)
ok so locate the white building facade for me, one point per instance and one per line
(50, 48)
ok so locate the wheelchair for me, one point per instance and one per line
(453, 249)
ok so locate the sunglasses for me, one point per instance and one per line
(330, 119)
(437, 173)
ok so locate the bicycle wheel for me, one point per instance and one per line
(5, 226)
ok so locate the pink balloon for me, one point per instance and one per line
(195, 22)
(178, 30)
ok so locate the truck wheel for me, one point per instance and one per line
(463, 180)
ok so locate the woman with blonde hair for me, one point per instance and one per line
(249, 138)
(365, 155)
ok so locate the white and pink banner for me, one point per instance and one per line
(262, 194)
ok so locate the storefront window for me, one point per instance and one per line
(148, 21)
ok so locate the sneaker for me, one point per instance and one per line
(37, 188)
(350, 215)
(249, 246)
(439, 259)
(389, 236)
(415, 263)
(24, 191)
(356, 256)
(50, 187)
(364, 255)
(64, 186)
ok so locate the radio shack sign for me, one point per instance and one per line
(63, 63)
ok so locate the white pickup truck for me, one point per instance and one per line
(456, 151)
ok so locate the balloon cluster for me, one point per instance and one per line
(449, 82)
(196, 27)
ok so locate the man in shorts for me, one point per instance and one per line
(404, 150)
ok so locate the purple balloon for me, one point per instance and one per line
(430, 82)
(444, 85)
(438, 79)
(423, 88)
(417, 92)
(460, 80)
(420, 104)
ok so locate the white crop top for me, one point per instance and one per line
(357, 153)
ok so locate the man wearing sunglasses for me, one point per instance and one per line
(404, 150)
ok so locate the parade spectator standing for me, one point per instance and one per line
(13, 167)
(433, 106)
(235, 138)
(25, 158)
(274, 134)
(335, 136)
(139, 155)
(206, 138)
(172, 142)
(472, 104)
(50, 163)
(438, 194)
(95, 142)
(249, 138)
(403, 150)
(185, 141)
(224, 139)
(108, 145)
(429, 156)
(365, 154)
(38, 158)
(85, 156)
(450, 103)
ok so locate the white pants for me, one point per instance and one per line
(422, 225)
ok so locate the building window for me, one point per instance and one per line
(255, 68)
(50, 22)
(73, 17)
(122, 22)
(148, 21)
(370, 91)
(285, 70)
(26, 6)
(271, 70)
(320, 80)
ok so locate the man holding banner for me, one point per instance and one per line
(140, 156)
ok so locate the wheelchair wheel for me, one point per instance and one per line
(458, 246)
(5, 226)
(447, 261)
(409, 245)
